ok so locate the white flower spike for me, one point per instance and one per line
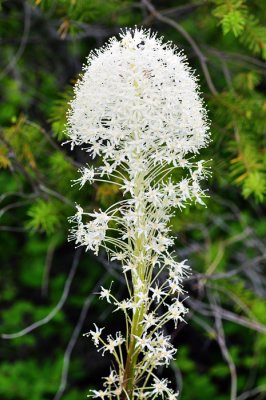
(138, 108)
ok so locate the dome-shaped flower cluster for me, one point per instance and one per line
(137, 107)
(138, 96)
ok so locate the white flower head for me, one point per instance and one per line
(137, 96)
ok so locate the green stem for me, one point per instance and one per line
(136, 326)
(132, 357)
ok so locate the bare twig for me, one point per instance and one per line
(235, 299)
(178, 377)
(229, 274)
(238, 57)
(17, 194)
(222, 343)
(252, 392)
(11, 206)
(184, 8)
(47, 268)
(204, 309)
(5, 228)
(58, 306)
(53, 193)
(248, 323)
(23, 41)
(74, 338)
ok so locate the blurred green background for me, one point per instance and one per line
(47, 286)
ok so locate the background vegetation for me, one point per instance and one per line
(47, 287)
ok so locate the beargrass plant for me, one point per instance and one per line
(137, 107)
